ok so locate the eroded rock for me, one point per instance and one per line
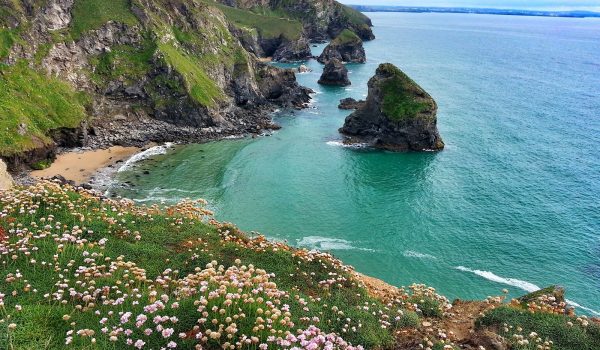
(398, 115)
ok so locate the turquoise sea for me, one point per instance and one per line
(512, 202)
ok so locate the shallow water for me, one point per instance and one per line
(512, 202)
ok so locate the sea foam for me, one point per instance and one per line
(150, 152)
(326, 243)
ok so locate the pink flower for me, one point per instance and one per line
(139, 344)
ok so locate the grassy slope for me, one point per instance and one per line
(92, 14)
(40, 102)
(346, 36)
(398, 103)
(269, 24)
(566, 333)
(318, 290)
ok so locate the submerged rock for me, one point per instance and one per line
(346, 47)
(398, 115)
(335, 73)
(350, 103)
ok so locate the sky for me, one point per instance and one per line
(562, 5)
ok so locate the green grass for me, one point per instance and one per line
(398, 101)
(166, 240)
(123, 62)
(346, 36)
(546, 325)
(270, 25)
(202, 89)
(7, 39)
(40, 102)
(92, 14)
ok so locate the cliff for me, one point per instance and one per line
(81, 271)
(398, 114)
(97, 73)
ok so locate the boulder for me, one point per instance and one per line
(398, 115)
(6, 181)
(335, 73)
(346, 47)
(350, 103)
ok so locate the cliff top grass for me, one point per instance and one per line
(83, 272)
(31, 104)
(399, 94)
(270, 25)
(92, 14)
(345, 37)
(201, 88)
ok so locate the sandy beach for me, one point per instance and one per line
(80, 166)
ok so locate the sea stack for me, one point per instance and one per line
(346, 47)
(398, 115)
(335, 73)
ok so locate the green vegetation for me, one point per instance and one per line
(34, 103)
(42, 164)
(92, 14)
(78, 263)
(566, 333)
(268, 24)
(398, 100)
(346, 36)
(124, 62)
(7, 40)
(198, 83)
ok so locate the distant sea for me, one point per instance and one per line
(512, 202)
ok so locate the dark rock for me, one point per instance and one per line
(291, 51)
(398, 115)
(334, 73)
(346, 47)
(350, 103)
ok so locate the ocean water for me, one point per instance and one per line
(512, 202)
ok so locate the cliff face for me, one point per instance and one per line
(128, 72)
(397, 115)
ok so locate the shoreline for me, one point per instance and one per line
(81, 165)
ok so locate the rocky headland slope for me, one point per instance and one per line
(99, 73)
(398, 115)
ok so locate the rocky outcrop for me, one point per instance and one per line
(398, 115)
(293, 51)
(346, 47)
(350, 103)
(335, 73)
(6, 181)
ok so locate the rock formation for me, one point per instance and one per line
(350, 103)
(293, 51)
(6, 181)
(346, 47)
(335, 73)
(398, 115)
